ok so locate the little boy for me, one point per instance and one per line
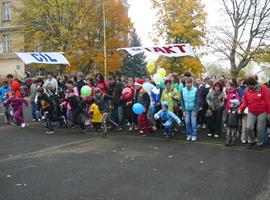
(96, 116)
(167, 117)
(232, 122)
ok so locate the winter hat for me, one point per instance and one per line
(165, 103)
(97, 90)
(236, 102)
(139, 82)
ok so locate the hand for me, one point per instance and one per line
(200, 108)
(184, 114)
(239, 112)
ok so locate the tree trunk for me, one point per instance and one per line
(234, 74)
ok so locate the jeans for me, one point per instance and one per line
(191, 123)
(168, 125)
(117, 115)
(34, 110)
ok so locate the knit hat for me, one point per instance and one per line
(165, 103)
(139, 82)
(97, 90)
(236, 102)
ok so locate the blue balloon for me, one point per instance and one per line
(148, 87)
(138, 108)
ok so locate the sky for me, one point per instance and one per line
(143, 17)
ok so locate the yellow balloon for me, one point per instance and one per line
(161, 72)
(150, 67)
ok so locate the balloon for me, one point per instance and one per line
(86, 91)
(148, 87)
(127, 94)
(138, 108)
(161, 72)
(157, 79)
(150, 67)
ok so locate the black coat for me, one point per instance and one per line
(232, 118)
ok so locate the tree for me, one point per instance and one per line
(180, 21)
(75, 27)
(248, 29)
(134, 66)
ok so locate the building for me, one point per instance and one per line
(11, 39)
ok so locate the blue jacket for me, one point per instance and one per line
(190, 99)
(167, 115)
(3, 91)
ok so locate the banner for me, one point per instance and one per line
(43, 58)
(174, 50)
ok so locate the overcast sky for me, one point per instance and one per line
(143, 16)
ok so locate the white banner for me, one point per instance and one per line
(43, 58)
(174, 50)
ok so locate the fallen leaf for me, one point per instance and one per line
(155, 147)
(201, 162)
(19, 184)
(170, 156)
(8, 176)
(114, 151)
(123, 148)
(155, 169)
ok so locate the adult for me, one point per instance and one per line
(101, 83)
(190, 106)
(80, 82)
(50, 81)
(171, 95)
(215, 101)
(14, 85)
(257, 99)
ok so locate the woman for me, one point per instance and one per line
(101, 83)
(215, 101)
(171, 95)
(257, 99)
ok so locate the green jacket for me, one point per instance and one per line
(170, 96)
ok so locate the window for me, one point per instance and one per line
(6, 43)
(6, 11)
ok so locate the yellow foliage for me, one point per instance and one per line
(76, 28)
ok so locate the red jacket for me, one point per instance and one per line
(257, 100)
(16, 88)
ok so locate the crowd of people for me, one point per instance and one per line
(238, 108)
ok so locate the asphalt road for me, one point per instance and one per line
(74, 166)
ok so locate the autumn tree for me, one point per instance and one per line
(75, 27)
(134, 66)
(180, 21)
(243, 33)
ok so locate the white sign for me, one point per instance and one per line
(174, 50)
(43, 58)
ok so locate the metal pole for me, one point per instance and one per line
(105, 44)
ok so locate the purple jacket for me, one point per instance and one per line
(17, 103)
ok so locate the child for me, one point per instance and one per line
(45, 104)
(96, 116)
(167, 118)
(232, 122)
(76, 108)
(4, 90)
(17, 105)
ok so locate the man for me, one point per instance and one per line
(190, 106)
(52, 81)
(80, 83)
(117, 107)
(14, 85)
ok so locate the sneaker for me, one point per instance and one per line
(188, 138)
(120, 129)
(50, 132)
(244, 141)
(216, 136)
(198, 126)
(154, 128)
(203, 126)
(43, 117)
(84, 130)
(193, 139)
(39, 120)
(34, 120)
(130, 128)
(209, 135)
(23, 125)
(141, 132)
(128, 124)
